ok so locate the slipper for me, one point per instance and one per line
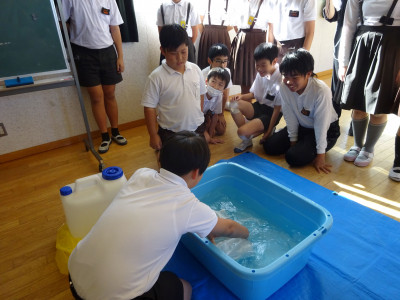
(104, 146)
(394, 174)
(119, 139)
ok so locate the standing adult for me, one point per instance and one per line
(293, 24)
(369, 66)
(252, 21)
(97, 49)
(183, 13)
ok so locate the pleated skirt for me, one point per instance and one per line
(370, 84)
(212, 34)
(242, 64)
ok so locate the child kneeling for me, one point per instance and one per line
(312, 122)
(217, 81)
(262, 116)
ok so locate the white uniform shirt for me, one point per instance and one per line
(214, 104)
(316, 101)
(176, 13)
(123, 254)
(205, 72)
(289, 17)
(90, 27)
(248, 8)
(373, 10)
(218, 11)
(176, 96)
(262, 86)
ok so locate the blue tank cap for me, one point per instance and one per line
(112, 173)
(65, 190)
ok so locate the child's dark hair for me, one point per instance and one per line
(298, 62)
(172, 36)
(220, 73)
(266, 51)
(183, 152)
(218, 50)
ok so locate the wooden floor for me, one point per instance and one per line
(31, 210)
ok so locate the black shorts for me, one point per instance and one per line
(168, 286)
(264, 113)
(166, 134)
(96, 66)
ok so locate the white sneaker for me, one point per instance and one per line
(363, 159)
(243, 146)
(394, 173)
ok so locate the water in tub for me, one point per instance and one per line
(266, 242)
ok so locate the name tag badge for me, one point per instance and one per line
(183, 24)
(105, 11)
(294, 13)
(250, 21)
(305, 112)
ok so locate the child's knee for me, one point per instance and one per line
(297, 158)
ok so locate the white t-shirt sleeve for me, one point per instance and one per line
(151, 93)
(194, 16)
(202, 219)
(66, 6)
(322, 120)
(116, 18)
(159, 17)
(310, 11)
(218, 105)
(278, 99)
(203, 89)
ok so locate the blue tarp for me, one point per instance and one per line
(359, 258)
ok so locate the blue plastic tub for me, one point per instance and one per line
(279, 205)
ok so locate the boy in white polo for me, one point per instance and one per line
(292, 25)
(312, 122)
(94, 32)
(264, 114)
(174, 93)
(122, 257)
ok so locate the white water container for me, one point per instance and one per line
(85, 200)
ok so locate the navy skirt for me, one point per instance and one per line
(370, 84)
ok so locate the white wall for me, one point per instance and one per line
(46, 116)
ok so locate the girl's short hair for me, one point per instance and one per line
(183, 152)
(220, 73)
(298, 62)
(172, 36)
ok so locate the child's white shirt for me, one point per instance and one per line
(214, 104)
(268, 85)
(312, 109)
(176, 96)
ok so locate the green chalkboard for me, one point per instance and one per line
(30, 39)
